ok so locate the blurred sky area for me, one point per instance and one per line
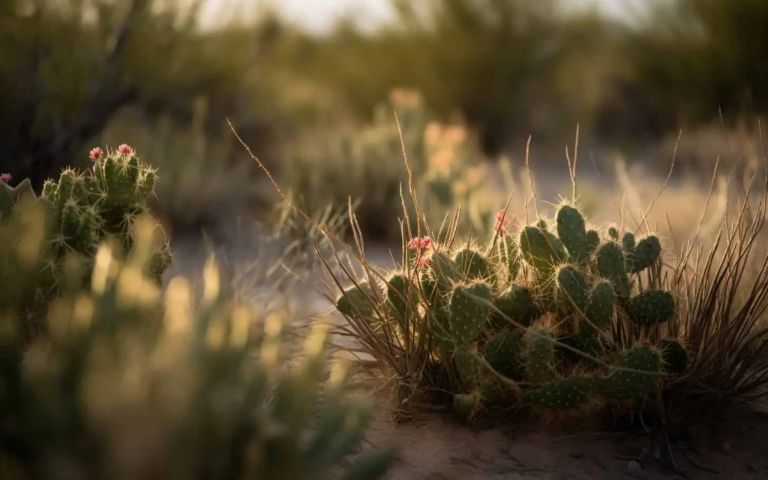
(320, 15)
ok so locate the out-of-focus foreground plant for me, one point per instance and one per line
(134, 382)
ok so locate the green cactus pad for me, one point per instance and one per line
(611, 265)
(613, 234)
(473, 265)
(468, 366)
(593, 241)
(504, 353)
(467, 405)
(651, 307)
(539, 355)
(561, 394)
(402, 297)
(469, 312)
(540, 249)
(355, 302)
(602, 304)
(674, 355)
(445, 270)
(572, 288)
(516, 303)
(646, 253)
(572, 231)
(633, 382)
(628, 242)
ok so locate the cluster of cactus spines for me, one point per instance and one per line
(550, 328)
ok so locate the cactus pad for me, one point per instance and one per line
(646, 253)
(504, 353)
(572, 288)
(473, 265)
(561, 394)
(355, 302)
(611, 265)
(517, 304)
(674, 355)
(539, 355)
(469, 312)
(572, 231)
(652, 307)
(633, 382)
(541, 249)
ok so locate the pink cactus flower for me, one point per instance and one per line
(95, 153)
(501, 222)
(419, 244)
(125, 149)
(6, 177)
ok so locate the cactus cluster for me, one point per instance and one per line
(104, 201)
(544, 314)
(83, 209)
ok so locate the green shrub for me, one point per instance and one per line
(133, 382)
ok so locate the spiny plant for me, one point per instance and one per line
(555, 318)
(133, 382)
(82, 209)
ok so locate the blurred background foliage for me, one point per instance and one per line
(79, 72)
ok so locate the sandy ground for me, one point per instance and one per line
(438, 447)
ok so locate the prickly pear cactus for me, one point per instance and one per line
(504, 353)
(674, 356)
(473, 265)
(516, 303)
(652, 307)
(539, 355)
(545, 319)
(635, 375)
(572, 287)
(469, 312)
(540, 249)
(611, 264)
(645, 254)
(357, 301)
(562, 394)
(571, 229)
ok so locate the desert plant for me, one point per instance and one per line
(134, 382)
(80, 210)
(556, 317)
